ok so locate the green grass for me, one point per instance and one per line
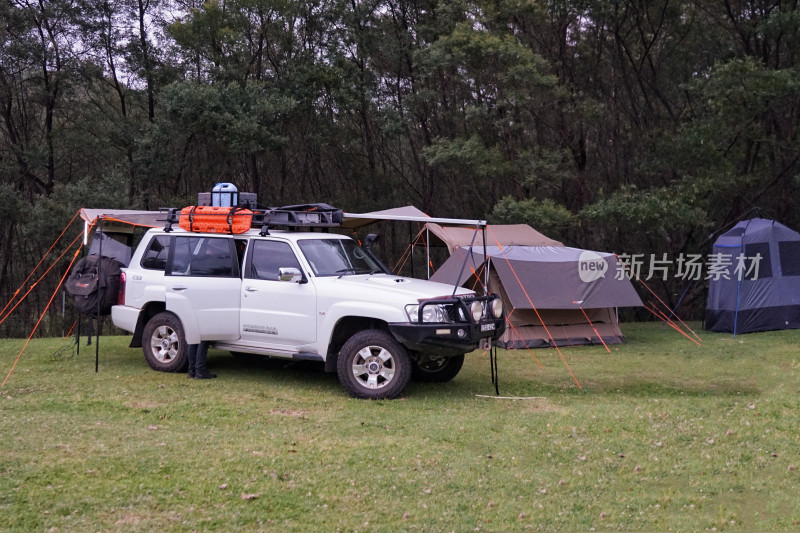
(665, 435)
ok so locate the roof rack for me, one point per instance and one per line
(305, 215)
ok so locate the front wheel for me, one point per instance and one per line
(374, 366)
(436, 369)
(164, 344)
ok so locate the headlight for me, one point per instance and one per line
(430, 313)
(497, 308)
(476, 309)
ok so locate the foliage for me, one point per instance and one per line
(664, 435)
(12, 207)
(643, 217)
(546, 216)
(744, 124)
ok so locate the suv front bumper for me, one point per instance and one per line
(449, 338)
(446, 339)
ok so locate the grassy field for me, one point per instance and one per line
(665, 435)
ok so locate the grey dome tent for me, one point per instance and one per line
(760, 289)
(548, 298)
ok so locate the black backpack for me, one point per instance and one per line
(93, 284)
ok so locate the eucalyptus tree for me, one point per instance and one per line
(40, 53)
(121, 77)
(37, 57)
(268, 61)
(747, 114)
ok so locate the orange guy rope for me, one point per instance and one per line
(595, 329)
(519, 335)
(70, 330)
(671, 324)
(555, 344)
(656, 297)
(40, 262)
(41, 277)
(74, 257)
(407, 252)
(660, 315)
(475, 273)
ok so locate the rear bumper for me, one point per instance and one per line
(125, 317)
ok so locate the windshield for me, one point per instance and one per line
(337, 257)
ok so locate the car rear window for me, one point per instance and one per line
(155, 257)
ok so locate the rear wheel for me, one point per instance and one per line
(372, 365)
(436, 369)
(164, 344)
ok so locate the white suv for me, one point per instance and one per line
(299, 295)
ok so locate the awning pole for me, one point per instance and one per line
(412, 241)
(100, 293)
(736, 312)
(486, 262)
(428, 250)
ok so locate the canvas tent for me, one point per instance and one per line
(759, 290)
(553, 294)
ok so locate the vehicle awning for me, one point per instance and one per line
(150, 219)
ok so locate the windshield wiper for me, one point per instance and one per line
(343, 271)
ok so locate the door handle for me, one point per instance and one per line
(179, 287)
(250, 289)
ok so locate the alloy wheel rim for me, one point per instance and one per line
(164, 344)
(373, 367)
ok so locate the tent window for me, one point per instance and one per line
(753, 250)
(790, 257)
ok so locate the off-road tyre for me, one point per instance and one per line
(164, 343)
(374, 366)
(437, 369)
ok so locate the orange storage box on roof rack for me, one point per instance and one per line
(213, 219)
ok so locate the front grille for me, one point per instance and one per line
(452, 313)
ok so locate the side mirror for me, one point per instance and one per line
(291, 274)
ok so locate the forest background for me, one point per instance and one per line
(617, 125)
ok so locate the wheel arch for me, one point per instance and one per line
(149, 310)
(345, 328)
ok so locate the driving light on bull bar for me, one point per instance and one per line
(497, 308)
(477, 311)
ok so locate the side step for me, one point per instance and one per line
(308, 356)
(300, 356)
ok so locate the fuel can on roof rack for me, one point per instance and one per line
(225, 195)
